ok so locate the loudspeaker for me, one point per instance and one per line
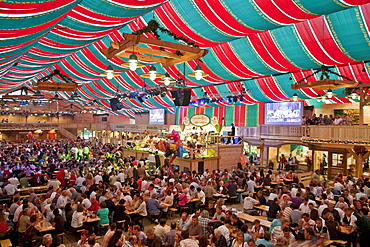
(181, 97)
(115, 104)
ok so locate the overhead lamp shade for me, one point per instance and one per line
(38, 94)
(295, 97)
(329, 93)
(152, 74)
(132, 63)
(167, 80)
(198, 73)
(109, 72)
(353, 94)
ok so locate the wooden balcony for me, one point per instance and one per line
(338, 134)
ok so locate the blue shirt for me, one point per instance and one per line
(247, 237)
(264, 242)
(274, 223)
(153, 207)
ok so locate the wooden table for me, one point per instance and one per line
(34, 188)
(219, 195)
(5, 243)
(166, 227)
(194, 200)
(47, 226)
(131, 212)
(262, 208)
(90, 220)
(251, 219)
(240, 190)
(318, 199)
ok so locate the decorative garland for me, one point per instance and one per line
(153, 27)
(335, 141)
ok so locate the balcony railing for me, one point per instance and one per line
(330, 133)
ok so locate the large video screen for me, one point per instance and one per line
(284, 113)
(156, 116)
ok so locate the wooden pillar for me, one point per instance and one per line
(262, 152)
(330, 163)
(345, 163)
(277, 158)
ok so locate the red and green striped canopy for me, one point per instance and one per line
(264, 46)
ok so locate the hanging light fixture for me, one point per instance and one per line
(353, 94)
(329, 93)
(133, 63)
(109, 73)
(153, 74)
(318, 98)
(198, 73)
(56, 97)
(167, 80)
(295, 97)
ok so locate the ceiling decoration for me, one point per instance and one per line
(264, 46)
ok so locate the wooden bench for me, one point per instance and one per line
(341, 242)
(171, 211)
(60, 235)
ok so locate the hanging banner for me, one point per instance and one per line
(200, 120)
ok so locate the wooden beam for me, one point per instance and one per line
(56, 86)
(123, 45)
(187, 57)
(326, 83)
(145, 58)
(160, 43)
(150, 51)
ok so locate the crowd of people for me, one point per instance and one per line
(98, 182)
(343, 119)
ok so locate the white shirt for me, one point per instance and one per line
(338, 186)
(359, 195)
(17, 212)
(304, 208)
(272, 196)
(249, 203)
(225, 232)
(341, 212)
(121, 176)
(10, 189)
(202, 195)
(118, 185)
(97, 179)
(143, 185)
(86, 203)
(79, 181)
(321, 208)
(62, 201)
(251, 184)
(14, 181)
(311, 201)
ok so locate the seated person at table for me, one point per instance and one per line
(58, 221)
(236, 222)
(249, 203)
(160, 229)
(184, 222)
(152, 240)
(218, 214)
(260, 197)
(218, 240)
(257, 229)
(274, 208)
(154, 208)
(265, 240)
(195, 229)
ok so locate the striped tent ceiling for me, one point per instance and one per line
(264, 46)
